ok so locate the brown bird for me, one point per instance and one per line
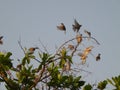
(87, 50)
(76, 26)
(32, 49)
(85, 53)
(62, 27)
(98, 57)
(1, 42)
(71, 47)
(79, 38)
(83, 57)
(88, 33)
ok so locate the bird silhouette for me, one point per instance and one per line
(76, 26)
(1, 42)
(88, 33)
(62, 27)
(98, 57)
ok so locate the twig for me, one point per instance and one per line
(43, 45)
(40, 75)
(93, 39)
(64, 44)
(82, 70)
(75, 49)
(19, 42)
(74, 39)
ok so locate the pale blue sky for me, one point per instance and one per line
(37, 19)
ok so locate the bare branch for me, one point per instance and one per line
(43, 46)
(93, 39)
(64, 44)
(19, 42)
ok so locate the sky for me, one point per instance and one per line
(34, 20)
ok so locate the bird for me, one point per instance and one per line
(76, 26)
(88, 33)
(98, 57)
(32, 49)
(1, 42)
(83, 57)
(87, 50)
(79, 38)
(71, 47)
(85, 53)
(62, 27)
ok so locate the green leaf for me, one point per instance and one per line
(8, 55)
(77, 79)
(24, 61)
(62, 63)
(1, 80)
(81, 83)
(110, 81)
(102, 85)
(6, 61)
(87, 87)
(69, 58)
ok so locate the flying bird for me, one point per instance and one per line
(88, 33)
(1, 42)
(62, 27)
(85, 53)
(98, 57)
(87, 50)
(76, 26)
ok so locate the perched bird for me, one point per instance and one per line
(88, 33)
(98, 57)
(79, 38)
(71, 47)
(32, 49)
(1, 42)
(76, 26)
(62, 27)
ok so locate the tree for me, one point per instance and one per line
(54, 71)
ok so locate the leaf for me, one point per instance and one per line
(6, 61)
(24, 60)
(110, 81)
(81, 83)
(102, 85)
(63, 52)
(59, 76)
(87, 87)
(62, 63)
(1, 80)
(8, 55)
(77, 79)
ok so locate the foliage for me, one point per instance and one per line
(53, 71)
(115, 81)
